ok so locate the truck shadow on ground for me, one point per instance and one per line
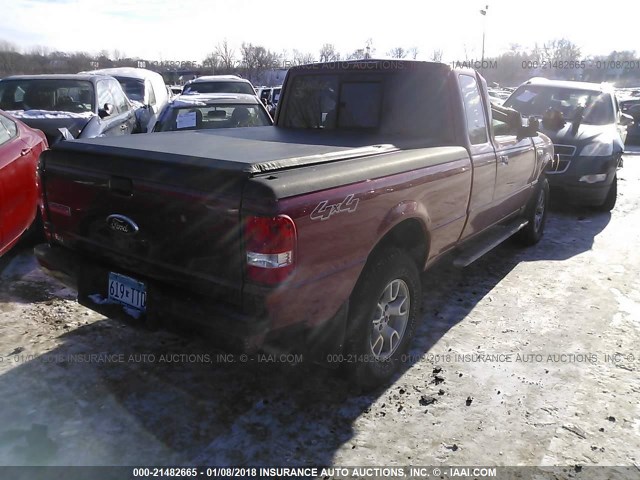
(160, 398)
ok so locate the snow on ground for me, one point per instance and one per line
(528, 357)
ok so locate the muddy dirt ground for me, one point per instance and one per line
(527, 357)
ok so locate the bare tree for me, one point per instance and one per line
(515, 48)
(79, 61)
(413, 53)
(212, 61)
(226, 56)
(436, 55)
(561, 50)
(300, 58)
(10, 59)
(358, 54)
(6, 46)
(256, 59)
(118, 55)
(363, 53)
(40, 51)
(369, 48)
(397, 52)
(328, 53)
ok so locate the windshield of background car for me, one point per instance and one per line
(134, 89)
(535, 100)
(213, 116)
(265, 94)
(75, 96)
(383, 101)
(219, 87)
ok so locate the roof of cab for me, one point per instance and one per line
(128, 72)
(370, 64)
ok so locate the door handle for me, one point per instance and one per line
(25, 151)
(504, 159)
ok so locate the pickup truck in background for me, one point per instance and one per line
(309, 235)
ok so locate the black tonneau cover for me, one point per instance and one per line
(249, 150)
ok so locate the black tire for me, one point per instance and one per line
(536, 214)
(612, 196)
(367, 364)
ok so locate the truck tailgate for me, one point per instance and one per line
(177, 225)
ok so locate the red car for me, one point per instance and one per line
(20, 147)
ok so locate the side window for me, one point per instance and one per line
(19, 94)
(8, 130)
(104, 95)
(476, 124)
(501, 125)
(151, 95)
(120, 101)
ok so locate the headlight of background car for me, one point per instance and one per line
(597, 149)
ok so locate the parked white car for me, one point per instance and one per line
(204, 111)
(219, 84)
(144, 87)
(175, 90)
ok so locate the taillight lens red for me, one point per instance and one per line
(270, 244)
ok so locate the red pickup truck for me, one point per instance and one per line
(308, 235)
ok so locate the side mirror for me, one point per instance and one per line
(514, 121)
(528, 128)
(626, 119)
(106, 111)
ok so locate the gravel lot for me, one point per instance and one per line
(528, 357)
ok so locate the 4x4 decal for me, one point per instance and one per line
(323, 211)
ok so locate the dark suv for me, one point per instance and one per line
(86, 105)
(588, 130)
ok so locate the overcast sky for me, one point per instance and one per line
(189, 29)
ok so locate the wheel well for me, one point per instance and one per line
(409, 236)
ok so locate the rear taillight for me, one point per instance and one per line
(270, 243)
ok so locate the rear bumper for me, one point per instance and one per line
(567, 184)
(226, 326)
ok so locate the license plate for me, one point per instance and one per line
(127, 291)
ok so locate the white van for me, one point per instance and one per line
(142, 86)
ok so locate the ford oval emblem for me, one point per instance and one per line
(122, 224)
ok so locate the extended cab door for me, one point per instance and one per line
(516, 164)
(483, 157)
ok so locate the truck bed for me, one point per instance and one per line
(248, 150)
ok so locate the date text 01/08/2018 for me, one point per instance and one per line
(581, 64)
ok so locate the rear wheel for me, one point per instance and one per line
(383, 313)
(612, 196)
(536, 214)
